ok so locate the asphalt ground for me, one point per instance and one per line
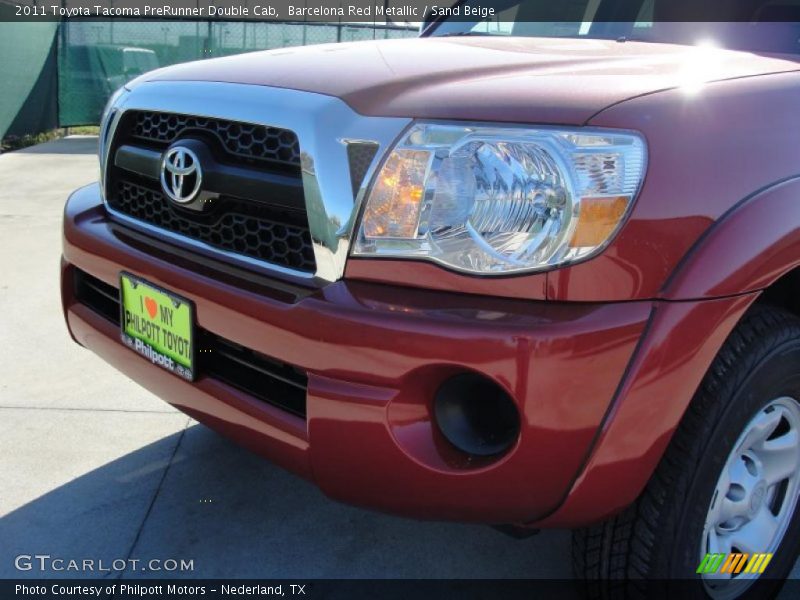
(92, 466)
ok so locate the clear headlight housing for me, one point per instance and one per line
(498, 200)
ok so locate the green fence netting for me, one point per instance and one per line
(95, 58)
(28, 91)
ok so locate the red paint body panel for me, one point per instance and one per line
(375, 355)
(682, 340)
(261, 428)
(601, 357)
(759, 122)
(760, 241)
(425, 275)
(524, 80)
(749, 126)
(744, 136)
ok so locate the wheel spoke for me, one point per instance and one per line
(761, 428)
(756, 535)
(780, 458)
(739, 475)
(715, 510)
(730, 509)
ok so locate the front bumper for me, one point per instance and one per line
(374, 355)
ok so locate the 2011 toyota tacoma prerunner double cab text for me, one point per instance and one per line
(511, 272)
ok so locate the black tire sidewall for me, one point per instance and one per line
(775, 375)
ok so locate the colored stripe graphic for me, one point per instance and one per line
(710, 563)
(758, 563)
(734, 563)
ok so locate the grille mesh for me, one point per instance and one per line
(246, 140)
(247, 233)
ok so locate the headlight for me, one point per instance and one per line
(498, 200)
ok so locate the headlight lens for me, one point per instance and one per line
(498, 200)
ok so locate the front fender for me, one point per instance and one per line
(680, 342)
(747, 249)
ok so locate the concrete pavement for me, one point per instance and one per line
(93, 466)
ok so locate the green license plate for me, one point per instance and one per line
(158, 324)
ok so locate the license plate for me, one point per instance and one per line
(158, 325)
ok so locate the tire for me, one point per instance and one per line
(654, 547)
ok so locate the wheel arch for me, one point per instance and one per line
(665, 373)
(680, 344)
(749, 249)
(751, 254)
(784, 292)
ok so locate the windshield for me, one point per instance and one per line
(751, 25)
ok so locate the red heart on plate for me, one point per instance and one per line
(151, 306)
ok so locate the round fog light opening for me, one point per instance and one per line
(476, 415)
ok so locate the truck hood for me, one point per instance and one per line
(543, 80)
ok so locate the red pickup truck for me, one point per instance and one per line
(512, 272)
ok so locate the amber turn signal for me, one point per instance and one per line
(599, 218)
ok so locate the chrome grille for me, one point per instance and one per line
(316, 186)
(256, 210)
